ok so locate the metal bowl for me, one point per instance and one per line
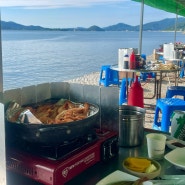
(150, 175)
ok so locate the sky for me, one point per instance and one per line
(78, 13)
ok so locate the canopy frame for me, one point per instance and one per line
(172, 6)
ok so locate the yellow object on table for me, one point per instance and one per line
(137, 164)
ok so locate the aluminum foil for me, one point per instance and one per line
(27, 117)
(17, 114)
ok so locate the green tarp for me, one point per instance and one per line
(173, 6)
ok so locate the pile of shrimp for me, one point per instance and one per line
(56, 114)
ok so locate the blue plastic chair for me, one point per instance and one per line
(166, 106)
(175, 91)
(108, 76)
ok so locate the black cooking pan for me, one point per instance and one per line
(54, 134)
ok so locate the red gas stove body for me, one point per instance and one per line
(58, 172)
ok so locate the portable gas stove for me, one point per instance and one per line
(58, 167)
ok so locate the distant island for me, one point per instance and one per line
(167, 24)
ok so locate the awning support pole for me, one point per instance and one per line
(1, 60)
(175, 36)
(141, 27)
(2, 122)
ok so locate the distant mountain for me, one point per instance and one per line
(14, 26)
(95, 28)
(162, 25)
(165, 24)
(120, 27)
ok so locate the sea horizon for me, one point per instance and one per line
(35, 57)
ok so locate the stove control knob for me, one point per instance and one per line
(109, 148)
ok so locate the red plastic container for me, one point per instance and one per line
(132, 63)
(135, 96)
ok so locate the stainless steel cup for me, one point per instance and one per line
(131, 125)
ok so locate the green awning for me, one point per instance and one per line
(172, 6)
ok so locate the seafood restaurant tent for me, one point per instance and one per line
(172, 6)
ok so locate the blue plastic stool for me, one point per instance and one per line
(175, 90)
(145, 75)
(167, 106)
(108, 76)
(161, 58)
(182, 65)
(123, 89)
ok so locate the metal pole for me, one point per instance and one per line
(175, 36)
(2, 122)
(1, 60)
(141, 27)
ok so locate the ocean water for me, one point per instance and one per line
(35, 57)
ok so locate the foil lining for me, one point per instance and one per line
(27, 117)
(17, 114)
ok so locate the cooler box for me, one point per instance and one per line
(168, 50)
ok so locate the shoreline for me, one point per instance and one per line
(87, 79)
(93, 78)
